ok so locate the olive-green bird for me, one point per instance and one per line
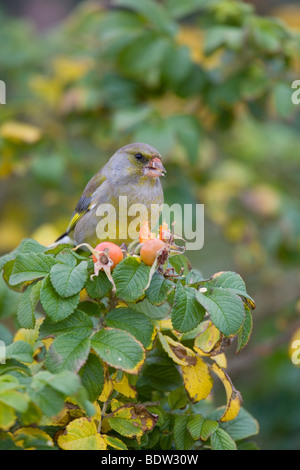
(133, 171)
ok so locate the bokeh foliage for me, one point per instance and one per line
(209, 84)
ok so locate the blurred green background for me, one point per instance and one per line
(209, 84)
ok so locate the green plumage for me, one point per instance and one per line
(125, 174)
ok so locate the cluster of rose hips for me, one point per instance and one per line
(152, 250)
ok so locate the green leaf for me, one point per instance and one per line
(179, 9)
(220, 440)
(188, 132)
(201, 428)
(136, 323)
(49, 400)
(119, 349)
(5, 335)
(186, 312)
(92, 376)
(230, 281)
(31, 266)
(67, 257)
(115, 443)
(49, 391)
(178, 398)
(246, 330)
(68, 280)
(11, 400)
(68, 351)
(151, 311)
(225, 308)
(242, 427)
(99, 286)
(247, 445)
(180, 262)
(176, 66)
(92, 309)
(65, 382)
(14, 365)
(131, 277)
(267, 34)
(26, 246)
(10, 394)
(220, 35)
(159, 373)
(27, 305)
(194, 277)
(78, 323)
(33, 438)
(144, 54)
(20, 350)
(118, 23)
(56, 307)
(183, 440)
(153, 12)
(82, 400)
(282, 99)
(7, 271)
(159, 289)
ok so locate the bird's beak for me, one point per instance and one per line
(155, 168)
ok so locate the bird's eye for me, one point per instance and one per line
(139, 157)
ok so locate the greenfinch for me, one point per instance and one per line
(133, 172)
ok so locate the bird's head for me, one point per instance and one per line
(139, 160)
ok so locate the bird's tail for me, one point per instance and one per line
(63, 239)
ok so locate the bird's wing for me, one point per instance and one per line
(86, 202)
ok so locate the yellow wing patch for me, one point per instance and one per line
(74, 220)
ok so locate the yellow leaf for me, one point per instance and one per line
(29, 335)
(81, 434)
(7, 416)
(165, 324)
(97, 415)
(34, 433)
(61, 419)
(123, 386)
(115, 404)
(83, 295)
(47, 89)
(108, 385)
(131, 419)
(20, 132)
(106, 391)
(197, 380)
(47, 342)
(207, 339)
(180, 354)
(234, 399)
(221, 360)
(68, 69)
